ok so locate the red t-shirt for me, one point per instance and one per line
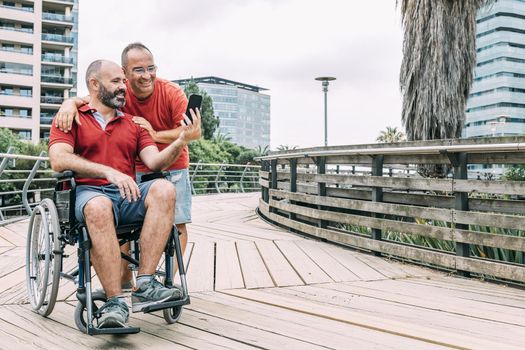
(117, 146)
(163, 109)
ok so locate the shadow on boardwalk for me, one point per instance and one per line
(254, 286)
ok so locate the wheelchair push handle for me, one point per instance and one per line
(64, 175)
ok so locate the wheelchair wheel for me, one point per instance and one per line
(43, 257)
(172, 315)
(99, 298)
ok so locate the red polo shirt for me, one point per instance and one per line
(163, 110)
(117, 146)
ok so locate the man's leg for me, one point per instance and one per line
(158, 222)
(105, 252)
(181, 180)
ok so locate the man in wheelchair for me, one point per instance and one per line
(101, 151)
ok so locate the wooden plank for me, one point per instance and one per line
(185, 335)
(315, 330)
(12, 237)
(372, 181)
(201, 267)
(309, 271)
(280, 269)
(370, 320)
(352, 262)
(438, 232)
(254, 271)
(327, 263)
(492, 186)
(228, 273)
(11, 259)
(403, 292)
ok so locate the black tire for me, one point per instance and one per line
(172, 315)
(98, 299)
(43, 257)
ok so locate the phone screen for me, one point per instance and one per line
(194, 102)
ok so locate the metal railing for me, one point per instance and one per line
(57, 79)
(52, 99)
(56, 58)
(58, 38)
(56, 17)
(34, 182)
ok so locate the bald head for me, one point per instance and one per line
(97, 67)
(106, 83)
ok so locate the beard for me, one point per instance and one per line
(112, 99)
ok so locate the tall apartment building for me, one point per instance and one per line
(243, 111)
(38, 63)
(496, 106)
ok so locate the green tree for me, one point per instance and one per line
(390, 135)
(209, 121)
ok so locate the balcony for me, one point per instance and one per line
(56, 17)
(11, 93)
(14, 29)
(26, 9)
(58, 38)
(24, 51)
(16, 71)
(55, 100)
(46, 118)
(57, 58)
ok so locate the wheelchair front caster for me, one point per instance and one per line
(99, 298)
(173, 314)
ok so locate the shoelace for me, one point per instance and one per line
(111, 302)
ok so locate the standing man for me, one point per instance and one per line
(158, 105)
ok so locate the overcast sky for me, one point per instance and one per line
(281, 45)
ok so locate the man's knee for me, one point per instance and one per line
(161, 191)
(99, 209)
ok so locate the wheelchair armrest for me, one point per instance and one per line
(153, 176)
(64, 175)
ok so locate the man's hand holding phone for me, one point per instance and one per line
(191, 126)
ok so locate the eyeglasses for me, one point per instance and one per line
(142, 70)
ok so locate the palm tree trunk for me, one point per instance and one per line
(439, 56)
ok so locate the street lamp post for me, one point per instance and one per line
(325, 81)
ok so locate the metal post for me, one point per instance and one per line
(325, 90)
(265, 166)
(377, 194)
(273, 179)
(217, 179)
(293, 182)
(325, 81)
(461, 203)
(242, 176)
(321, 187)
(193, 177)
(28, 183)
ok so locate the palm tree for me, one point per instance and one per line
(439, 56)
(286, 148)
(262, 151)
(391, 134)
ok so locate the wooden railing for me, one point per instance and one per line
(466, 225)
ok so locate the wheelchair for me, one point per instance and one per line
(52, 226)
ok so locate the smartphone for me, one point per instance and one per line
(194, 102)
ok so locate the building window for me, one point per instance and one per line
(16, 68)
(24, 134)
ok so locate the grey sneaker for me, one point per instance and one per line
(114, 314)
(151, 293)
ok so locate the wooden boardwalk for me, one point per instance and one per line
(254, 286)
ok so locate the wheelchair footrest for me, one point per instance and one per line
(118, 330)
(166, 305)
